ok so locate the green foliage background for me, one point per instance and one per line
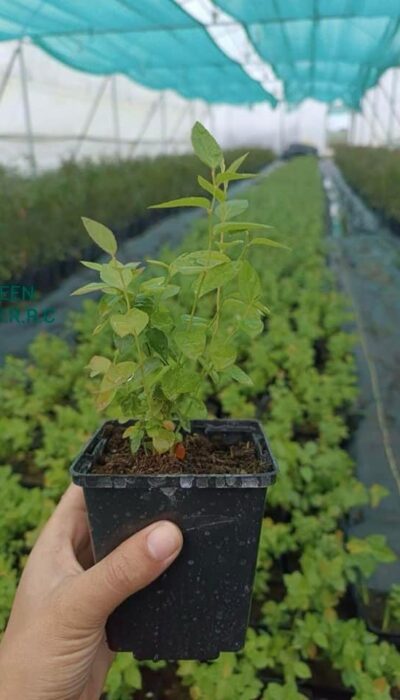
(43, 213)
(375, 174)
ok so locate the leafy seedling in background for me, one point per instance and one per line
(162, 358)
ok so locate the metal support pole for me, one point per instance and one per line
(177, 124)
(27, 112)
(392, 106)
(8, 71)
(90, 116)
(115, 116)
(281, 127)
(163, 117)
(148, 118)
(351, 132)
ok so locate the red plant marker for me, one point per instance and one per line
(180, 451)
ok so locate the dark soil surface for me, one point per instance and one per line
(202, 456)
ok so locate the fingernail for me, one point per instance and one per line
(163, 541)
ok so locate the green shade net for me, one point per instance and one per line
(326, 49)
(154, 42)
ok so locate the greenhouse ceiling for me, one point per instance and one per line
(154, 42)
(326, 49)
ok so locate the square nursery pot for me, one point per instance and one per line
(200, 606)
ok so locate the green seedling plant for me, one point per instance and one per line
(161, 359)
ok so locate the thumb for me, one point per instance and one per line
(133, 565)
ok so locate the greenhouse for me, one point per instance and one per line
(199, 350)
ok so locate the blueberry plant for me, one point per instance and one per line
(156, 373)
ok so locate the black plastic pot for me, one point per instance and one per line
(362, 611)
(200, 606)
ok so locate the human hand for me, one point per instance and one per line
(54, 647)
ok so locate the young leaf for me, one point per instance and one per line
(133, 322)
(98, 365)
(118, 374)
(228, 176)
(91, 265)
(88, 288)
(205, 146)
(235, 165)
(268, 242)
(113, 277)
(157, 263)
(101, 235)
(249, 283)
(210, 188)
(135, 435)
(217, 277)
(198, 261)
(235, 226)
(162, 439)
(239, 376)
(183, 202)
(231, 209)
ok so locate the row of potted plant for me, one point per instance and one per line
(303, 386)
(43, 212)
(375, 174)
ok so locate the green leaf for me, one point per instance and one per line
(118, 374)
(91, 265)
(268, 242)
(249, 283)
(88, 288)
(98, 365)
(205, 146)
(132, 674)
(235, 226)
(198, 261)
(245, 316)
(301, 670)
(229, 176)
(115, 277)
(191, 407)
(190, 341)
(221, 353)
(162, 439)
(135, 435)
(183, 202)
(235, 165)
(211, 189)
(218, 277)
(239, 376)
(104, 398)
(157, 263)
(133, 322)
(179, 380)
(158, 341)
(232, 208)
(101, 235)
